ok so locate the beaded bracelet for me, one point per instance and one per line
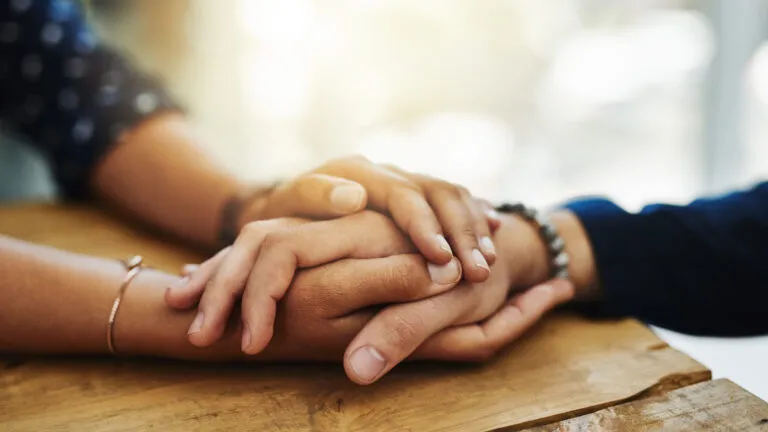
(555, 245)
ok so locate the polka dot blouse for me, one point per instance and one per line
(63, 92)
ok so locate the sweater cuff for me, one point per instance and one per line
(622, 245)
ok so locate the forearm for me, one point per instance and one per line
(159, 175)
(54, 302)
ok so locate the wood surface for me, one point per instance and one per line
(709, 406)
(567, 366)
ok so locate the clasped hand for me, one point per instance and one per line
(357, 286)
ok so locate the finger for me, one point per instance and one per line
(402, 199)
(362, 235)
(493, 217)
(443, 197)
(343, 287)
(229, 280)
(394, 333)
(186, 292)
(188, 269)
(317, 196)
(482, 230)
(456, 218)
(479, 342)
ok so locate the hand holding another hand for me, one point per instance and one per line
(440, 218)
(377, 303)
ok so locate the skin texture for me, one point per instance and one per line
(400, 330)
(329, 313)
(157, 174)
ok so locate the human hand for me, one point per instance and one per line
(439, 217)
(428, 327)
(261, 265)
(328, 305)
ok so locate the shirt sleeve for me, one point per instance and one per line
(699, 269)
(65, 94)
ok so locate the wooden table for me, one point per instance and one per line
(566, 367)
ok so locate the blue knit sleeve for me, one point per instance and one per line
(700, 268)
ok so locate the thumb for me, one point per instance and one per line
(317, 196)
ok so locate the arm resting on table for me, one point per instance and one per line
(700, 268)
(54, 302)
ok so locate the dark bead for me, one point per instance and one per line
(549, 233)
(531, 214)
(511, 208)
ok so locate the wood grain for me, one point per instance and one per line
(567, 366)
(710, 406)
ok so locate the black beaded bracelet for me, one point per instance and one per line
(548, 232)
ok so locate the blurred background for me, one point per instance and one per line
(532, 100)
(642, 100)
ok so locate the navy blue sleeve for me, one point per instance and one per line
(65, 94)
(699, 269)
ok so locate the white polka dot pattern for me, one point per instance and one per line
(52, 34)
(20, 6)
(83, 130)
(146, 102)
(69, 96)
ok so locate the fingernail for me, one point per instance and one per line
(479, 259)
(179, 283)
(197, 324)
(246, 339)
(487, 245)
(367, 363)
(493, 214)
(444, 274)
(443, 243)
(347, 198)
(188, 269)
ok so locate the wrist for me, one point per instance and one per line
(526, 253)
(523, 251)
(583, 273)
(146, 326)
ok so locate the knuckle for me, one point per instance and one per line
(371, 218)
(466, 233)
(403, 330)
(273, 240)
(463, 191)
(405, 189)
(253, 229)
(259, 229)
(342, 162)
(448, 190)
(358, 158)
(405, 276)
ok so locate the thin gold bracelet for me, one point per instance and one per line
(133, 266)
